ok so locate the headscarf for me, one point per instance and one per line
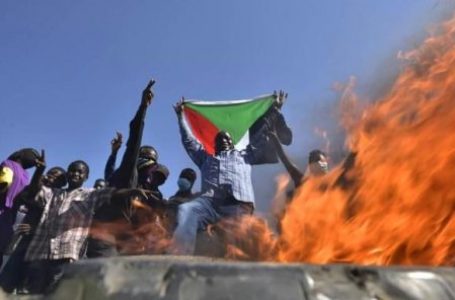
(20, 181)
(6, 178)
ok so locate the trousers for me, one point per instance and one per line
(196, 215)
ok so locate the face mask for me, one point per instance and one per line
(184, 184)
(324, 166)
(318, 168)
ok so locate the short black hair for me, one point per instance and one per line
(82, 163)
(315, 156)
(189, 174)
(60, 169)
(149, 152)
(61, 180)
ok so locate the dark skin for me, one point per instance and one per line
(223, 142)
(292, 169)
(100, 184)
(178, 107)
(116, 142)
(281, 97)
(35, 183)
(148, 152)
(124, 176)
(55, 178)
(77, 174)
(33, 188)
(147, 93)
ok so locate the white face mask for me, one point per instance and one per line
(324, 166)
(318, 168)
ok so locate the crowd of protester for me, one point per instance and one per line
(52, 220)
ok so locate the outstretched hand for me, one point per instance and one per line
(280, 97)
(40, 162)
(116, 142)
(147, 94)
(178, 107)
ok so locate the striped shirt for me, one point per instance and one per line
(225, 174)
(65, 222)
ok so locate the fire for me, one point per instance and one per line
(395, 203)
(393, 199)
(142, 229)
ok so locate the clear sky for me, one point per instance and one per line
(71, 72)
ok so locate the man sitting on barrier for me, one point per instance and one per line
(227, 189)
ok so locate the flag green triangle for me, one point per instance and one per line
(236, 117)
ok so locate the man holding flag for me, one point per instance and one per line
(217, 137)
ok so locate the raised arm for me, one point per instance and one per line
(194, 149)
(276, 119)
(30, 195)
(116, 143)
(292, 169)
(124, 176)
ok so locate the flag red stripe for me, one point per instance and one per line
(203, 130)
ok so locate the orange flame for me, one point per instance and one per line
(395, 205)
(142, 230)
(391, 202)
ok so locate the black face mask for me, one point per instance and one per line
(223, 142)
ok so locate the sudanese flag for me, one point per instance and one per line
(206, 118)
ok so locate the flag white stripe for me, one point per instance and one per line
(223, 102)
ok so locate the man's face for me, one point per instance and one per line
(148, 152)
(100, 184)
(55, 178)
(223, 142)
(320, 167)
(77, 173)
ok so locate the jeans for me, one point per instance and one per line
(100, 248)
(196, 215)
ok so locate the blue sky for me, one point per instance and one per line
(71, 72)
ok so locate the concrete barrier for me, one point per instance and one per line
(191, 278)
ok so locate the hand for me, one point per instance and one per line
(147, 94)
(178, 107)
(116, 142)
(280, 98)
(23, 228)
(40, 162)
